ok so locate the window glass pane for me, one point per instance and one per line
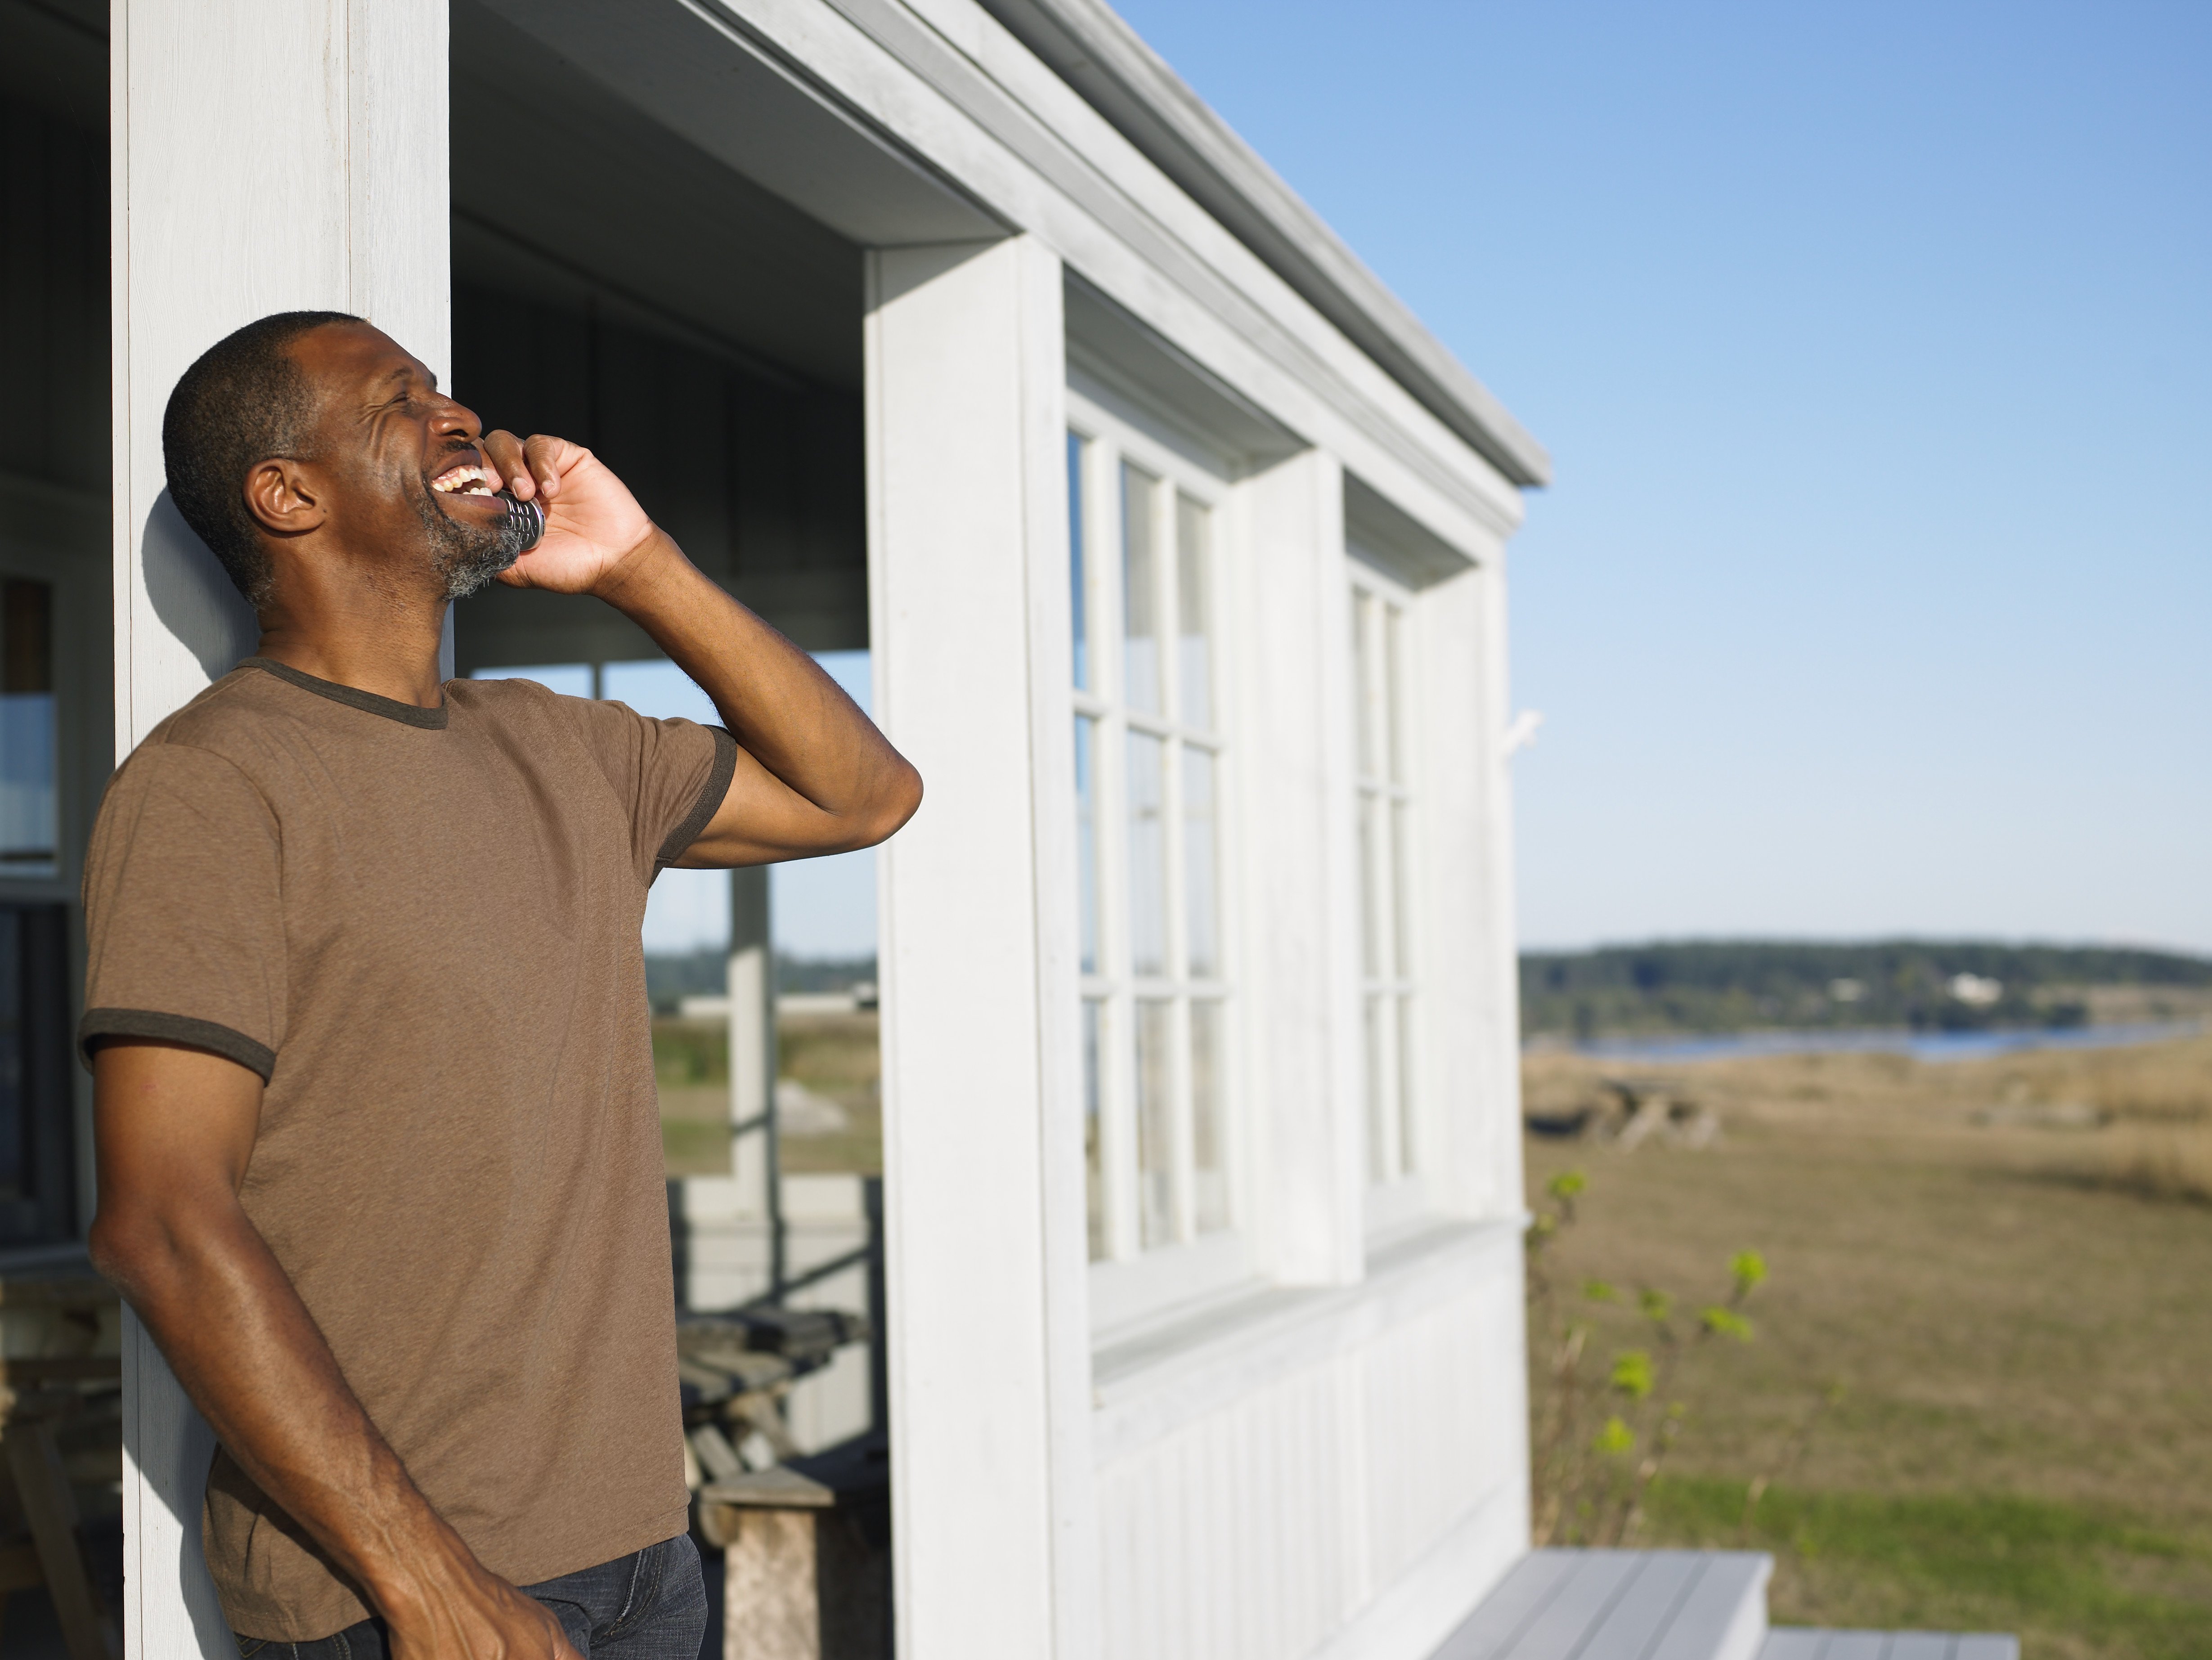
(1400, 941)
(1362, 701)
(1409, 1146)
(1371, 877)
(1155, 1125)
(1086, 838)
(1140, 619)
(1094, 1150)
(1394, 634)
(29, 825)
(1202, 935)
(1078, 588)
(1148, 856)
(1209, 1137)
(1378, 1149)
(1194, 620)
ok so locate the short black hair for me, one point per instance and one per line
(242, 403)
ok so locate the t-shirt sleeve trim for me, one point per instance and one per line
(709, 802)
(174, 1028)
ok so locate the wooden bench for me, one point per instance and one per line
(806, 1558)
(40, 1398)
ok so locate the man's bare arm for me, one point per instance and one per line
(175, 1128)
(814, 775)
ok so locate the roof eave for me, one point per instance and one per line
(1090, 48)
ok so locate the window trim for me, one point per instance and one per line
(1133, 1282)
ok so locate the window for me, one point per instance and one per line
(38, 1173)
(29, 821)
(1150, 754)
(1388, 992)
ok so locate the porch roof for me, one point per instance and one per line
(1090, 48)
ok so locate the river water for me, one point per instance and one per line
(1937, 1046)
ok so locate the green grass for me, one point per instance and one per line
(2071, 1581)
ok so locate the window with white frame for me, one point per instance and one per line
(1388, 990)
(1149, 755)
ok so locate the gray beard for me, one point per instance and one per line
(466, 556)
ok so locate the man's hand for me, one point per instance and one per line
(593, 523)
(479, 1617)
(174, 1129)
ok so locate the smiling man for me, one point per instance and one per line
(379, 1148)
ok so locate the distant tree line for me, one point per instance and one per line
(671, 976)
(1720, 985)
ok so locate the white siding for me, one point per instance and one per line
(1299, 1486)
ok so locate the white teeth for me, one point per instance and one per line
(467, 481)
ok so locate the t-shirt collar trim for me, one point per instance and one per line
(407, 715)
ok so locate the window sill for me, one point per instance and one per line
(1150, 1380)
(1393, 1207)
(1163, 1285)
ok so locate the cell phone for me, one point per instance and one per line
(526, 517)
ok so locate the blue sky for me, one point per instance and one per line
(1873, 346)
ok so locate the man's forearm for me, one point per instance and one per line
(253, 1361)
(787, 716)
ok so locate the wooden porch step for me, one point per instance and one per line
(1804, 1643)
(1622, 1605)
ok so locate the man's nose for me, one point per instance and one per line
(457, 418)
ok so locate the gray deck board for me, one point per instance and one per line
(1619, 1605)
(1645, 1605)
(1527, 1588)
(1806, 1643)
(1558, 1633)
(1724, 1617)
(1671, 1605)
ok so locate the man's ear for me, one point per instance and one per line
(282, 499)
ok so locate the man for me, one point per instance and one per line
(379, 1150)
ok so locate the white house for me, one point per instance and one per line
(962, 330)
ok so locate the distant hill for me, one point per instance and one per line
(1720, 985)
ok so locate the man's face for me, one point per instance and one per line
(405, 480)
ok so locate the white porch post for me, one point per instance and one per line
(1303, 875)
(1471, 969)
(752, 985)
(267, 155)
(982, 1131)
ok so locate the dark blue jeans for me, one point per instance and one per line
(652, 1606)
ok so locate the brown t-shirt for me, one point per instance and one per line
(421, 926)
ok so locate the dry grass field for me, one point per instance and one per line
(2006, 1266)
(834, 1055)
(837, 1056)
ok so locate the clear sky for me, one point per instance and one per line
(1873, 343)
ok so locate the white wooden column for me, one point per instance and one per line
(752, 985)
(983, 1126)
(1301, 877)
(1470, 974)
(268, 156)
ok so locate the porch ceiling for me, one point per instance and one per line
(560, 187)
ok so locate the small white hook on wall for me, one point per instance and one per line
(1521, 731)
